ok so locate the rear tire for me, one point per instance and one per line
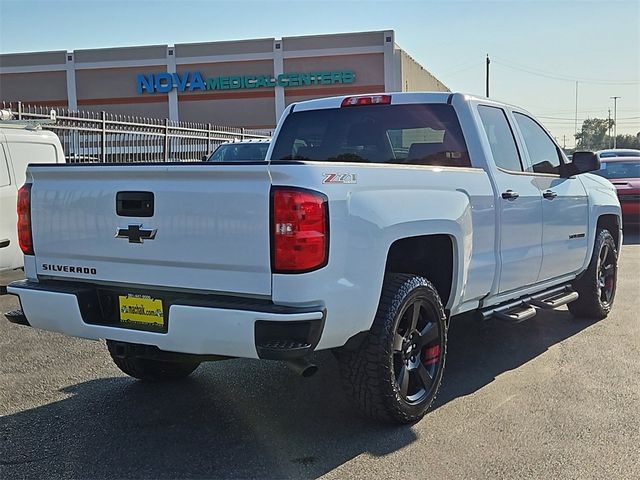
(151, 370)
(597, 285)
(395, 373)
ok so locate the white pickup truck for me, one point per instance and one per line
(374, 220)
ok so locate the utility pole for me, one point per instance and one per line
(487, 76)
(576, 121)
(609, 129)
(615, 120)
(564, 141)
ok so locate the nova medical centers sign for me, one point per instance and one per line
(194, 81)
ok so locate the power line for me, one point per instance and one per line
(461, 70)
(461, 66)
(555, 76)
(567, 118)
(599, 110)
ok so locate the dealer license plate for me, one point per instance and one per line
(141, 311)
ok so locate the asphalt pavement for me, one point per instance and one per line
(554, 397)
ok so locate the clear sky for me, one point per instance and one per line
(538, 48)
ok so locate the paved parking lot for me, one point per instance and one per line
(555, 397)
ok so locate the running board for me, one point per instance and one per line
(516, 311)
(516, 315)
(555, 301)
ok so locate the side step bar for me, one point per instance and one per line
(556, 301)
(516, 311)
(517, 314)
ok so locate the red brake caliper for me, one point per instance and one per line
(431, 355)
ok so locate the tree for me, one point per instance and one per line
(593, 135)
(628, 141)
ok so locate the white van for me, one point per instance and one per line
(21, 143)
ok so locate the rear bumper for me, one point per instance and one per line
(199, 325)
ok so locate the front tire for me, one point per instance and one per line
(596, 287)
(396, 372)
(151, 370)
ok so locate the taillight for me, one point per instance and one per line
(299, 230)
(366, 100)
(24, 219)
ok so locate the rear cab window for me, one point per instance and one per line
(413, 134)
(501, 140)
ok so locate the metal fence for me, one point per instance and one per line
(105, 137)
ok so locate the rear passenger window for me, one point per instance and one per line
(543, 153)
(4, 169)
(417, 134)
(503, 145)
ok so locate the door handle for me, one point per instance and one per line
(5, 243)
(510, 195)
(549, 194)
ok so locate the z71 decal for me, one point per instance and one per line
(339, 178)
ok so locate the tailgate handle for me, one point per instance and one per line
(134, 204)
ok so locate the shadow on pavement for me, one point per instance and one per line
(242, 418)
(478, 352)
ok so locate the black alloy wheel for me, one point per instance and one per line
(416, 351)
(394, 372)
(606, 274)
(596, 286)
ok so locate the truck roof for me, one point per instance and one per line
(396, 99)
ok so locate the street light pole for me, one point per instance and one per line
(609, 129)
(575, 133)
(615, 120)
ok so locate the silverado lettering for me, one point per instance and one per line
(69, 269)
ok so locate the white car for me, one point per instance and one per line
(374, 222)
(617, 152)
(20, 144)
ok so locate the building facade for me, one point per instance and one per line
(244, 83)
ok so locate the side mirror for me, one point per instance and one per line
(583, 162)
(204, 158)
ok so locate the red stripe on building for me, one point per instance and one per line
(123, 100)
(334, 90)
(191, 97)
(41, 103)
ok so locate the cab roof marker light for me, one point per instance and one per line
(366, 100)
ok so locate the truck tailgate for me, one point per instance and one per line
(211, 225)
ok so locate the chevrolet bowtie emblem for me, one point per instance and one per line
(136, 234)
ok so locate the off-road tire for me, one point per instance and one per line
(151, 370)
(590, 303)
(367, 372)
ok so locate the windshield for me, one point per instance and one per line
(413, 134)
(613, 170)
(240, 152)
